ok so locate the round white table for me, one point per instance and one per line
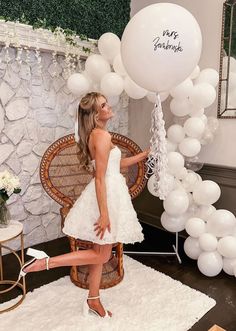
(14, 230)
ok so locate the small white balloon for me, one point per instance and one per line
(227, 247)
(229, 265)
(197, 112)
(212, 124)
(190, 147)
(192, 248)
(175, 162)
(133, 90)
(208, 242)
(109, 46)
(173, 224)
(152, 185)
(112, 84)
(194, 127)
(190, 181)
(180, 107)
(206, 192)
(207, 137)
(152, 97)
(210, 263)
(208, 75)
(176, 202)
(96, 67)
(221, 223)
(175, 133)
(182, 173)
(118, 65)
(205, 211)
(170, 146)
(195, 227)
(183, 90)
(78, 84)
(203, 95)
(163, 96)
(195, 73)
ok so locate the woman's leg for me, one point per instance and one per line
(95, 274)
(97, 255)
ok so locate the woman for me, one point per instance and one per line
(103, 214)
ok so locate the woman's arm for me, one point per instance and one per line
(102, 142)
(129, 161)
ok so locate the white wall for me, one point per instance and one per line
(208, 13)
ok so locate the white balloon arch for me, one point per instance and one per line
(132, 66)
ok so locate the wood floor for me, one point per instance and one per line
(222, 288)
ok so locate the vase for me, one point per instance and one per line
(4, 215)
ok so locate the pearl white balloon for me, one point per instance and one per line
(118, 65)
(182, 173)
(173, 224)
(175, 162)
(207, 192)
(180, 107)
(170, 146)
(163, 96)
(176, 202)
(209, 76)
(207, 137)
(161, 46)
(203, 95)
(195, 72)
(194, 127)
(227, 247)
(183, 90)
(109, 46)
(96, 67)
(133, 90)
(212, 124)
(205, 211)
(112, 84)
(192, 248)
(152, 97)
(197, 112)
(78, 84)
(190, 147)
(190, 181)
(221, 223)
(210, 263)
(229, 265)
(208, 242)
(175, 133)
(195, 227)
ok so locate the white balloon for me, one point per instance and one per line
(112, 84)
(204, 119)
(207, 137)
(173, 224)
(152, 97)
(180, 107)
(109, 46)
(209, 76)
(163, 96)
(206, 192)
(182, 173)
(96, 67)
(190, 147)
(118, 65)
(205, 211)
(190, 181)
(212, 124)
(227, 247)
(197, 112)
(176, 202)
(175, 133)
(192, 248)
(78, 84)
(170, 146)
(210, 263)
(175, 162)
(160, 46)
(203, 95)
(195, 227)
(133, 90)
(183, 90)
(221, 223)
(195, 72)
(208, 242)
(194, 127)
(229, 265)
(152, 185)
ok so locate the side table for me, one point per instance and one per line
(14, 230)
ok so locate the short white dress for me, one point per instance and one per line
(125, 227)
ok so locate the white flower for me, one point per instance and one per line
(8, 183)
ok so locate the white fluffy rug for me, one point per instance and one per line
(145, 300)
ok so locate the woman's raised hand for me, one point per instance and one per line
(101, 225)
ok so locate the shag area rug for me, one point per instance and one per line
(146, 300)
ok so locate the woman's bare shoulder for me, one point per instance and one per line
(101, 134)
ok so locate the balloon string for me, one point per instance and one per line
(157, 159)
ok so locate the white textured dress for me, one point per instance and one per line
(125, 227)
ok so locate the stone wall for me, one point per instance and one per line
(36, 109)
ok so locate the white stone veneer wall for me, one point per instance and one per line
(35, 110)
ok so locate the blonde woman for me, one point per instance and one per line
(103, 214)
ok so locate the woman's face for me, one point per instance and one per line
(104, 110)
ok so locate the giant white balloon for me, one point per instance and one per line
(109, 46)
(96, 67)
(210, 263)
(221, 223)
(112, 84)
(78, 84)
(207, 192)
(192, 248)
(176, 202)
(160, 46)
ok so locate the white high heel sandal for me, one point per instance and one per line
(37, 255)
(87, 309)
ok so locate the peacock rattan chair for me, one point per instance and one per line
(64, 181)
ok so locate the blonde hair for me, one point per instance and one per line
(87, 121)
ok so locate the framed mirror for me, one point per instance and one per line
(227, 81)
